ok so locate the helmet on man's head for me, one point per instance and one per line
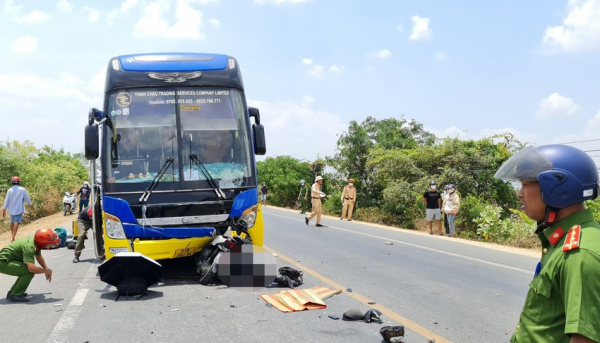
(350, 180)
(15, 180)
(432, 182)
(86, 183)
(318, 178)
(566, 174)
(46, 239)
(302, 182)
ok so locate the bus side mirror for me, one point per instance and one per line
(94, 115)
(253, 112)
(92, 146)
(260, 146)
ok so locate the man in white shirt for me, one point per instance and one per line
(15, 201)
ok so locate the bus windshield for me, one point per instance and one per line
(147, 126)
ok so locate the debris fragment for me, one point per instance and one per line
(389, 243)
(175, 310)
(371, 303)
(348, 289)
(60, 309)
(57, 305)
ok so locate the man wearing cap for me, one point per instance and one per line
(348, 200)
(433, 201)
(316, 195)
(15, 201)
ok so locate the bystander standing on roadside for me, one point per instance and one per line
(84, 192)
(433, 202)
(348, 200)
(444, 199)
(15, 201)
(562, 303)
(18, 259)
(451, 207)
(263, 194)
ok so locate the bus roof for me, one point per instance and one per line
(172, 70)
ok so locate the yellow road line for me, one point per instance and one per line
(409, 324)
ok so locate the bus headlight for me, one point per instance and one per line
(114, 228)
(249, 215)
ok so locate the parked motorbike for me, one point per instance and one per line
(69, 203)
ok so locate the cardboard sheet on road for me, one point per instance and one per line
(300, 299)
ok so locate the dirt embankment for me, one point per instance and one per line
(49, 222)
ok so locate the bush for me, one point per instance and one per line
(470, 209)
(516, 230)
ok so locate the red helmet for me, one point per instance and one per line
(15, 180)
(46, 239)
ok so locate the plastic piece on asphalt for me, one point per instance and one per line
(389, 332)
(333, 316)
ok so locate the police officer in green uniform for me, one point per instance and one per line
(564, 296)
(303, 196)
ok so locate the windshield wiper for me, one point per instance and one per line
(156, 180)
(195, 160)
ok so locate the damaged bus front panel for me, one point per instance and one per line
(177, 153)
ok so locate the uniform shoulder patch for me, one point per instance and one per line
(573, 238)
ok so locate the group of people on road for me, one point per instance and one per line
(18, 258)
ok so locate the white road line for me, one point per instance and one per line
(500, 265)
(67, 321)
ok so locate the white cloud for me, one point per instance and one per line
(214, 22)
(33, 17)
(400, 28)
(278, 2)
(580, 30)
(317, 71)
(420, 30)
(188, 22)
(440, 56)
(335, 69)
(10, 7)
(127, 5)
(307, 61)
(555, 106)
(286, 135)
(382, 54)
(24, 44)
(592, 127)
(65, 6)
(31, 86)
(92, 14)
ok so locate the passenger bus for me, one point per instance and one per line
(176, 143)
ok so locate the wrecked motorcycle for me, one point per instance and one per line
(208, 259)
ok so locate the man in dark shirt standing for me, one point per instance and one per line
(85, 191)
(433, 200)
(263, 194)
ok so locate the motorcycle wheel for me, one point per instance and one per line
(65, 209)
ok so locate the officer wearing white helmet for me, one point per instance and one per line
(316, 195)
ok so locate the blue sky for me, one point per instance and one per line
(465, 69)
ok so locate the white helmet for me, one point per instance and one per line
(86, 183)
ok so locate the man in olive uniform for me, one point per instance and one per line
(562, 302)
(18, 259)
(303, 196)
(316, 195)
(348, 200)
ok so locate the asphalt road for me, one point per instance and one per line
(437, 287)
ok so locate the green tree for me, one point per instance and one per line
(282, 174)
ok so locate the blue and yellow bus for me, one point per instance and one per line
(176, 147)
